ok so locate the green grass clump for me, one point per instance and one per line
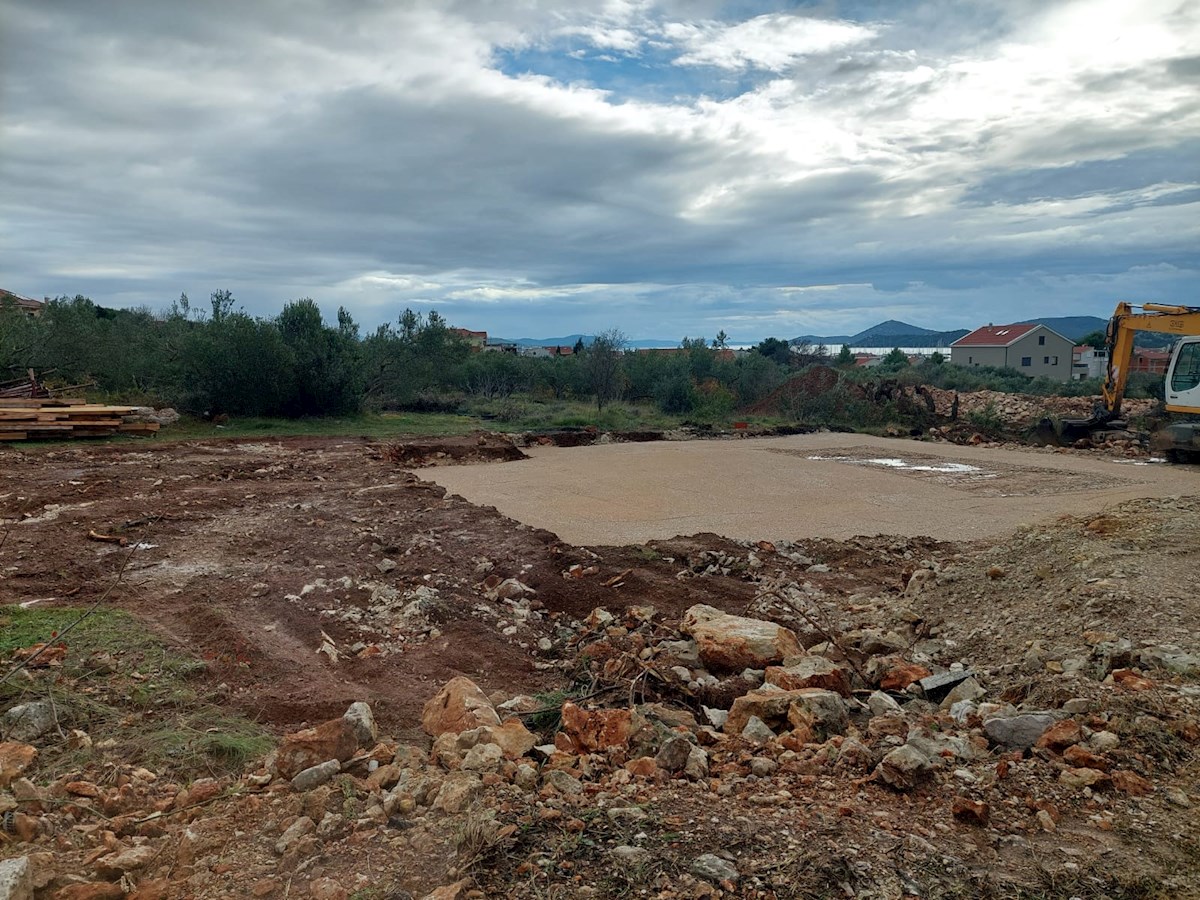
(122, 684)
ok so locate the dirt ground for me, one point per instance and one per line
(312, 573)
(815, 485)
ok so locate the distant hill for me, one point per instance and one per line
(570, 339)
(887, 334)
(1071, 327)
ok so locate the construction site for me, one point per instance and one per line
(766, 666)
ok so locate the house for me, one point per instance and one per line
(1030, 349)
(27, 305)
(1152, 362)
(1088, 362)
(477, 339)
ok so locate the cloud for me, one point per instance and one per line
(949, 159)
(774, 42)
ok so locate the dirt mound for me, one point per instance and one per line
(448, 451)
(812, 382)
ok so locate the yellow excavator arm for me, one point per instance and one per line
(1181, 321)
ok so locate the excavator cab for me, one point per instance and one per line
(1182, 440)
(1183, 377)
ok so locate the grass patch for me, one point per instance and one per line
(138, 699)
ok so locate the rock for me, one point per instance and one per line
(459, 706)
(696, 767)
(904, 767)
(327, 889)
(362, 720)
(819, 711)
(1081, 778)
(769, 704)
(596, 729)
(882, 704)
(1103, 741)
(16, 879)
(113, 867)
(966, 691)
(732, 643)
(563, 782)
(483, 758)
(91, 890)
(15, 758)
(1132, 680)
(457, 891)
(715, 716)
(27, 721)
(525, 777)
(1177, 797)
(511, 736)
(302, 750)
(1080, 758)
(1131, 783)
(713, 869)
(643, 766)
(757, 730)
(315, 776)
(811, 672)
(673, 754)
(901, 675)
(1046, 821)
(1020, 731)
(152, 889)
(762, 767)
(936, 687)
(973, 812)
(1061, 735)
(457, 792)
(301, 828)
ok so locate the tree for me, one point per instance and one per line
(222, 304)
(895, 360)
(721, 341)
(774, 348)
(1097, 339)
(845, 357)
(603, 365)
(937, 358)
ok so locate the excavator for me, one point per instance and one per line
(1180, 440)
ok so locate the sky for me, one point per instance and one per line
(668, 168)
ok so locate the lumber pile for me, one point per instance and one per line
(48, 418)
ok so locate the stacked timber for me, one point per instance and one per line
(56, 418)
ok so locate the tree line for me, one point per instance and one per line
(216, 359)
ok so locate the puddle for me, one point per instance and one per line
(894, 462)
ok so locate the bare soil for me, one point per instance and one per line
(311, 573)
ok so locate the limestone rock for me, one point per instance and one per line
(483, 758)
(773, 705)
(733, 643)
(597, 729)
(1019, 731)
(27, 721)
(1061, 735)
(904, 767)
(15, 758)
(16, 879)
(457, 891)
(712, 868)
(362, 720)
(301, 828)
(757, 730)
(673, 754)
(335, 739)
(130, 860)
(563, 782)
(315, 776)
(818, 711)
(811, 672)
(459, 706)
(457, 792)
(511, 736)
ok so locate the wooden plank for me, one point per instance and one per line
(138, 427)
(25, 403)
(12, 436)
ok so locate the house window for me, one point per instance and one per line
(970, 360)
(1027, 360)
(1041, 340)
(1045, 360)
(1054, 360)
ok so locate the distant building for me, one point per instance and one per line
(1088, 362)
(544, 352)
(27, 305)
(477, 339)
(1152, 362)
(1029, 349)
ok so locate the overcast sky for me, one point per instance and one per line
(669, 168)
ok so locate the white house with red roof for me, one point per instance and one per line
(1030, 349)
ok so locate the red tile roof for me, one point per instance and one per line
(993, 336)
